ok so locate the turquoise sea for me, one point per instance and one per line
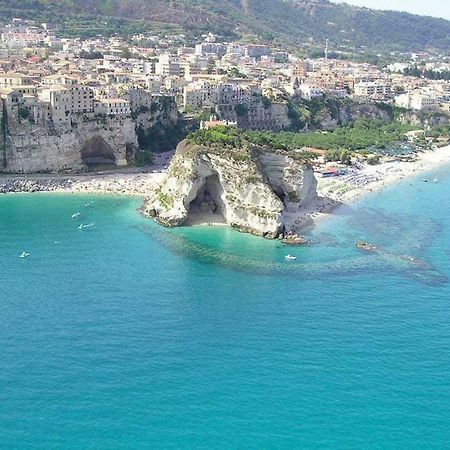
(128, 335)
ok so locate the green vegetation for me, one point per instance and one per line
(442, 130)
(166, 133)
(360, 135)
(252, 179)
(240, 157)
(343, 156)
(373, 159)
(241, 110)
(166, 200)
(273, 21)
(313, 113)
(91, 55)
(160, 138)
(425, 73)
(144, 158)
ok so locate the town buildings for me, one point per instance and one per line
(47, 77)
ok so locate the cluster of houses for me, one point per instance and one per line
(40, 102)
(48, 78)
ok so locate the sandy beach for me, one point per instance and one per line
(129, 184)
(133, 185)
(345, 189)
(333, 192)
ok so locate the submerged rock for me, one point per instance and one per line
(248, 188)
(294, 239)
(366, 246)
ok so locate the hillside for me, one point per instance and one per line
(287, 21)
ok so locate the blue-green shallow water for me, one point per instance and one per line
(127, 335)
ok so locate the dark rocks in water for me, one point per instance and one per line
(25, 185)
(294, 239)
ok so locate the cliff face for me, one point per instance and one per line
(87, 140)
(335, 113)
(420, 118)
(158, 123)
(33, 148)
(332, 113)
(247, 188)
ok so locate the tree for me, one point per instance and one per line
(211, 65)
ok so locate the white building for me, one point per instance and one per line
(308, 91)
(372, 89)
(67, 101)
(209, 94)
(168, 65)
(417, 100)
(10, 80)
(210, 48)
(113, 107)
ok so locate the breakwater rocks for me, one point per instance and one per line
(34, 185)
(129, 184)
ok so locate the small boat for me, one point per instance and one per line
(24, 255)
(82, 226)
(74, 216)
(290, 257)
(424, 180)
(435, 180)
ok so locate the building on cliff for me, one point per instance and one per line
(64, 128)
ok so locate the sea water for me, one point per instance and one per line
(129, 335)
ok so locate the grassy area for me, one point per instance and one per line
(363, 134)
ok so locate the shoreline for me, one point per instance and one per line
(347, 189)
(129, 182)
(127, 185)
(333, 192)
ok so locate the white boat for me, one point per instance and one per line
(290, 257)
(74, 216)
(435, 180)
(24, 255)
(82, 226)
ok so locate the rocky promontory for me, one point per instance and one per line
(253, 188)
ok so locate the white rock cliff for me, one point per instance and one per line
(248, 188)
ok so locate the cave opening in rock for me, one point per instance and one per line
(97, 153)
(207, 206)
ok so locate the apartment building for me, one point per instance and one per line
(417, 100)
(66, 101)
(113, 107)
(372, 90)
(12, 80)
